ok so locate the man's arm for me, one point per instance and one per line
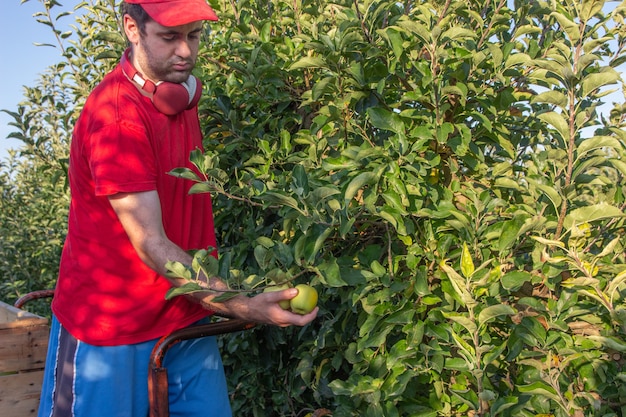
(140, 215)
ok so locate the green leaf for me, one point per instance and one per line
(502, 182)
(263, 256)
(197, 158)
(516, 59)
(342, 162)
(594, 81)
(308, 62)
(374, 338)
(509, 234)
(467, 264)
(464, 321)
(384, 119)
(551, 97)
(323, 86)
(444, 131)
(571, 28)
(201, 188)
(266, 32)
(224, 296)
(592, 213)
(272, 198)
(331, 274)
(207, 263)
(533, 329)
(597, 142)
(514, 280)
(179, 270)
(466, 350)
(187, 288)
(552, 195)
(110, 37)
(394, 37)
(615, 283)
(549, 242)
(395, 218)
(557, 121)
(494, 311)
(300, 180)
(417, 28)
(458, 33)
(494, 353)
(613, 343)
(539, 388)
(318, 243)
(322, 193)
(590, 9)
(358, 182)
(503, 403)
(265, 241)
(458, 283)
(104, 55)
(457, 364)
(185, 173)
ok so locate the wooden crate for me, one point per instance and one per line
(23, 345)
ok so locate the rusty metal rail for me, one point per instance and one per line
(157, 375)
(32, 296)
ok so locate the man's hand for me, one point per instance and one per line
(262, 308)
(276, 314)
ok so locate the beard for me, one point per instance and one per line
(158, 70)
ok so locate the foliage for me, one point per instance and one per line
(441, 173)
(35, 198)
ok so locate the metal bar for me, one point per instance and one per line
(157, 376)
(32, 296)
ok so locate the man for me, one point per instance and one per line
(128, 217)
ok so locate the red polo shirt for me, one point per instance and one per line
(105, 294)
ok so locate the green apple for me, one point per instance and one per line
(285, 304)
(305, 301)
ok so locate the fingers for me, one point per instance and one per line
(288, 318)
(307, 318)
(273, 307)
(277, 315)
(276, 296)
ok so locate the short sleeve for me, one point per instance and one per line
(121, 159)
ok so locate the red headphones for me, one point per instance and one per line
(168, 98)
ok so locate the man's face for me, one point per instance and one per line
(165, 53)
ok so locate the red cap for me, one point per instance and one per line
(176, 12)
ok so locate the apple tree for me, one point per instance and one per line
(449, 176)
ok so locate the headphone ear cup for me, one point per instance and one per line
(170, 98)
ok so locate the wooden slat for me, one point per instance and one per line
(11, 317)
(23, 340)
(23, 349)
(19, 394)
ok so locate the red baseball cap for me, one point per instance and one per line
(176, 12)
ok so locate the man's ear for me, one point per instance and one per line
(131, 29)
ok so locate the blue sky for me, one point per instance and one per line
(22, 61)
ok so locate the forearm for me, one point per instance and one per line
(262, 308)
(157, 253)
